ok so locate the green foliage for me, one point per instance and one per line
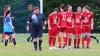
(49, 5)
(19, 9)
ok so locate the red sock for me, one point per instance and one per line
(75, 40)
(69, 42)
(3, 34)
(50, 41)
(88, 41)
(60, 42)
(65, 41)
(83, 39)
(54, 41)
(78, 44)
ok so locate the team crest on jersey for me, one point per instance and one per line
(88, 15)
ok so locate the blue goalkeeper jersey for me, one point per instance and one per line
(7, 26)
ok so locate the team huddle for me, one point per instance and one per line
(66, 23)
(63, 24)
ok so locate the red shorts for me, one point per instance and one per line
(53, 31)
(86, 29)
(69, 30)
(77, 30)
(62, 29)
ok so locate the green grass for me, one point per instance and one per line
(26, 49)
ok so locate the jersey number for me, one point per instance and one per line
(64, 17)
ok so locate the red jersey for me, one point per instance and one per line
(52, 19)
(87, 18)
(62, 19)
(77, 19)
(69, 19)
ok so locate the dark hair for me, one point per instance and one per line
(30, 7)
(34, 8)
(62, 6)
(87, 7)
(8, 12)
(68, 7)
(56, 9)
(6, 7)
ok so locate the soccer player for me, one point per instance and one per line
(62, 27)
(77, 27)
(28, 27)
(6, 8)
(37, 20)
(69, 24)
(52, 28)
(9, 29)
(87, 26)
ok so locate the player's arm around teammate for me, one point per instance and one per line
(87, 22)
(77, 27)
(62, 27)
(69, 24)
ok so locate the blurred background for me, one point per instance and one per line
(19, 10)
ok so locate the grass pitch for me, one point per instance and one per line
(26, 49)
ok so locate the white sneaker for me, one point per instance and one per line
(70, 47)
(16, 45)
(55, 48)
(50, 48)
